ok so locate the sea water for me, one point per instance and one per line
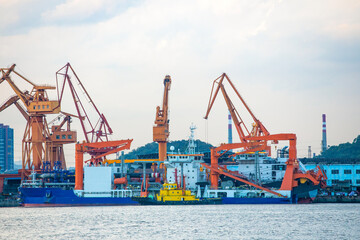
(308, 221)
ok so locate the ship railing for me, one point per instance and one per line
(121, 193)
(59, 184)
(36, 183)
(31, 183)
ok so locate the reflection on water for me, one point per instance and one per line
(314, 221)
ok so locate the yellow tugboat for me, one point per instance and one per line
(170, 194)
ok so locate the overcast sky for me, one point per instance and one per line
(292, 61)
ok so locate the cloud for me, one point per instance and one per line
(350, 31)
(9, 13)
(74, 9)
(289, 60)
(85, 11)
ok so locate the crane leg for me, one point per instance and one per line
(162, 151)
(214, 176)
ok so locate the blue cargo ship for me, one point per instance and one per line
(57, 197)
(99, 190)
(101, 187)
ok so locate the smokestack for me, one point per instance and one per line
(323, 142)
(229, 129)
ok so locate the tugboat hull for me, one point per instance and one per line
(151, 201)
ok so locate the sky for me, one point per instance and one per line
(291, 61)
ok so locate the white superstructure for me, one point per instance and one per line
(187, 165)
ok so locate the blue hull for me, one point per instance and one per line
(226, 200)
(55, 197)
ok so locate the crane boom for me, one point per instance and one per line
(14, 100)
(243, 132)
(19, 93)
(92, 132)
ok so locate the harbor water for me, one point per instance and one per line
(311, 221)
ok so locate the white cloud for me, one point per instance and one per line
(275, 53)
(9, 12)
(74, 9)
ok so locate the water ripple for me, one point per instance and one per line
(315, 221)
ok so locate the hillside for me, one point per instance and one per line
(344, 150)
(179, 145)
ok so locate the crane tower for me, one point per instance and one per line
(161, 128)
(39, 145)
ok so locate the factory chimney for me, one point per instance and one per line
(229, 129)
(323, 142)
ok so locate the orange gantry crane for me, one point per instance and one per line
(39, 145)
(161, 128)
(255, 140)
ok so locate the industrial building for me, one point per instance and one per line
(6, 148)
(342, 174)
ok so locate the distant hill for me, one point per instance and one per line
(179, 145)
(344, 150)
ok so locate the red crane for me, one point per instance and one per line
(253, 141)
(258, 129)
(94, 132)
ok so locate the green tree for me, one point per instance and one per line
(344, 150)
(179, 145)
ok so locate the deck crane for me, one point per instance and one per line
(94, 132)
(38, 144)
(161, 128)
(253, 141)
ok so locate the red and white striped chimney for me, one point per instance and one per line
(323, 142)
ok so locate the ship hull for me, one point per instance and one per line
(57, 197)
(228, 200)
(305, 193)
(150, 201)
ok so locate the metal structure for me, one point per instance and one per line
(81, 148)
(254, 141)
(258, 129)
(94, 132)
(161, 128)
(39, 145)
